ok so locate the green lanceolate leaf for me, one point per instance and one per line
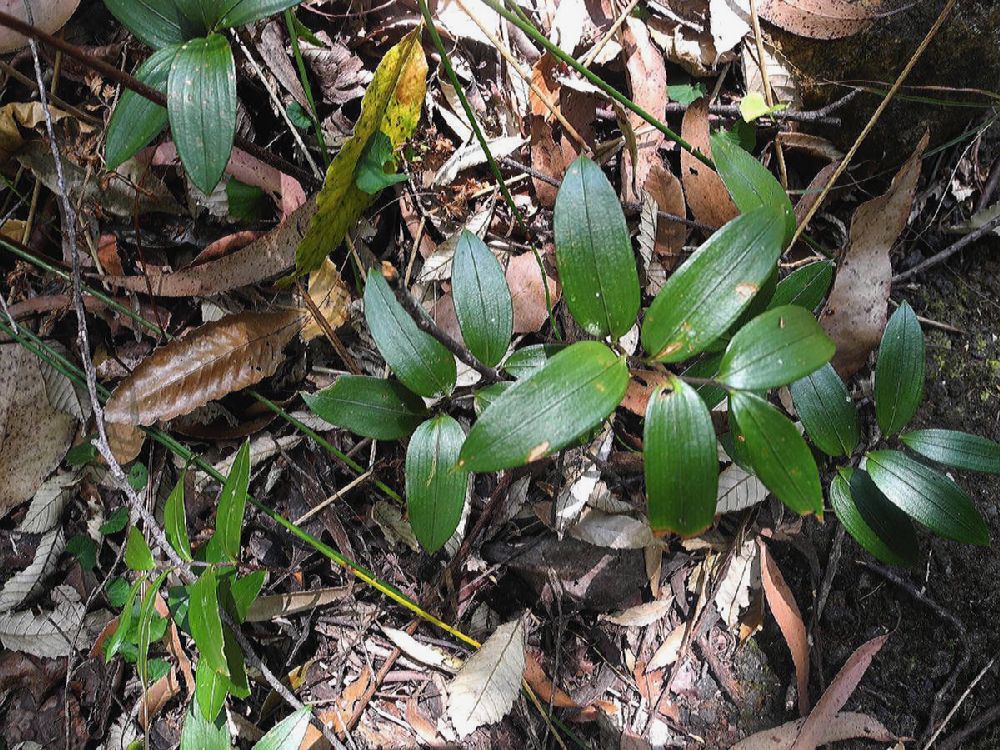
(530, 359)
(777, 453)
(927, 496)
(706, 295)
(115, 641)
(224, 546)
(136, 121)
(200, 733)
(201, 100)
(435, 486)
(138, 556)
(899, 371)
(749, 183)
(376, 168)
(483, 397)
(242, 12)
(776, 348)
(877, 525)
(805, 287)
(572, 394)
(206, 623)
(954, 448)
(371, 407)
(175, 522)
(417, 358)
(594, 252)
(243, 591)
(210, 691)
(286, 734)
(146, 613)
(827, 412)
(681, 461)
(158, 23)
(482, 298)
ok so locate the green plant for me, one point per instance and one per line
(193, 65)
(721, 327)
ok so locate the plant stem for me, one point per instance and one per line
(304, 79)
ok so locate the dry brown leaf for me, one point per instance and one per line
(35, 426)
(706, 194)
(843, 726)
(331, 297)
(549, 694)
(48, 15)
(814, 727)
(813, 145)
(856, 312)
(548, 158)
(640, 388)
(668, 651)
(780, 75)
(212, 361)
(17, 115)
(158, 695)
(820, 19)
(527, 292)
(544, 78)
(269, 607)
(786, 612)
(419, 722)
(337, 716)
(669, 196)
(811, 194)
(647, 77)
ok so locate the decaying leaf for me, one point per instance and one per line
(49, 634)
(269, 607)
(820, 19)
(583, 480)
(666, 190)
(843, 726)
(20, 585)
(18, 115)
(432, 656)
(527, 291)
(48, 502)
(647, 76)
(48, 15)
(733, 594)
(856, 312)
(668, 651)
(330, 295)
(782, 605)
(641, 615)
(738, 489)
(484, 690)
(212, 361)
(706, 194)
(611, 530)
(730, 22)
(472, 155)
(394, 527)
(780, 75)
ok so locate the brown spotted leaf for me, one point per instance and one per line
(214, 360)
(843, 726)
(820, 19)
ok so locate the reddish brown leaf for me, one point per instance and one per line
(640, 388)
(855, 314)
(786, 612)
(212, 361)
(813, 191)
(815, 727)
(548, 158)
(527, 291)
(819, 19)
(647, 76)
(706, 194)
(669, 196)
(843, 726)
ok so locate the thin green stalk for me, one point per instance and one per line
(304, 78)
(524, 24)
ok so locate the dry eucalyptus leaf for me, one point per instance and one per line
(847, 725)
(472, 154)
(706, 194)
(484, 690)
(48, 15)
(527, 291)
(647, 77)
(782, 604)
(212, 361)
(820, 19)
(35, 434)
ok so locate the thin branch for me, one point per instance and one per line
(949, 251)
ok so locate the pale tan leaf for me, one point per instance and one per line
(49, 634)
(820, 19)
(612, 531)
(856, 312)
(261, 449)
(706, 194)
(815, 726)
(730, 22)
(472, 154)
(432, 656)
(47, 505)
(20, 585)
(668, 651)
(34, 434)
(212, 361)
(484, 690)
(266, 608)
(583, 480)
(641, 615)
(843, 726)
(786, 612)
(780, 74)
(738, 490)
(733, 594)
(48, 15)
(647, 77)
(330, 296)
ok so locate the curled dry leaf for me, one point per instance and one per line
(331, 297)
(647, 77)
(49, 634)
(843, 726)
(733, 594)
(212, 361)
(786, 612)
(855, 314)
(820, 19)
(706, 194)
(484, 690)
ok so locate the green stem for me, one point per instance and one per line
(304, 79)
(524, 24)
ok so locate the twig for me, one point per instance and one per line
(333, 498)
(768, 92)
(816, 116)
(589, 58)
(845, 162)
(960, 701)
(978, 724)
(949, 251)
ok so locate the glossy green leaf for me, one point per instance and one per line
(206, 622)
(175, 522)
(417, 358)
(703, 297)
(435, 486)
(805, 287)
(158, 23)
(242, 12)
(750, 184)
(286, 734)
(371, 407)
(224, 546)
(202, 14)
(138, 556)
(201, 100)
(597, 268)
(484, 397)
(116, 521)
(777, 453)
(927, 496)
(827, 412)
(376, 169)
(210, 690)
(114, 642)
(774, 349)
(530, 359)
(877, 525)
(200, 733)
(242, 592)
(955, 448)
(482, 299)
(707, 366)
(899, 371)
(575, 391)
(146, 613)
(681, 461)
(136, 121)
